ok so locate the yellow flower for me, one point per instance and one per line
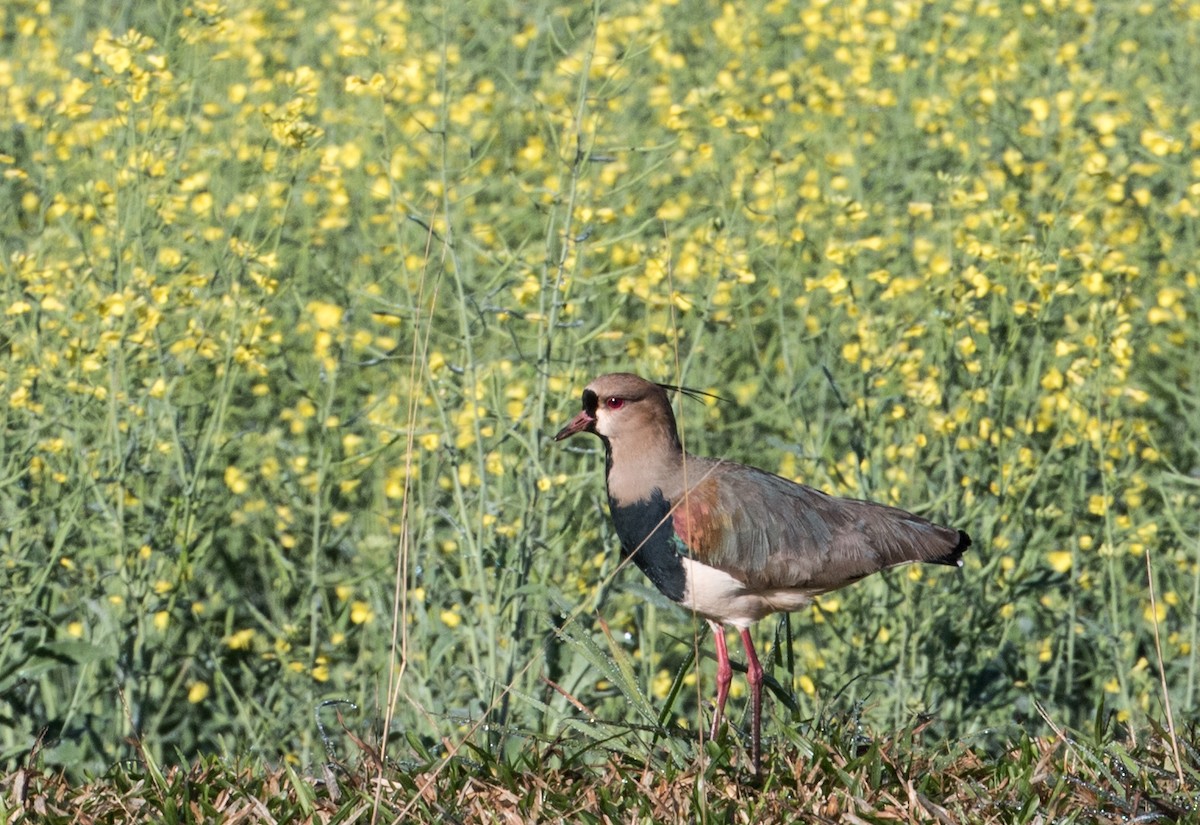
(1159, 144)
(533, 151)
(396, 482)
(197, 692)
(361, 613)
(1060, 560)
(494, 464)
(1052, 380)
(1039, 107)
(117, 57)
(235, 480)
(240, 640)
(661, 685)
(327, 316)
(1104, 123)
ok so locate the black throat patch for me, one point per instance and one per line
(646, 533)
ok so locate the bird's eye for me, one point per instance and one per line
(615, 403)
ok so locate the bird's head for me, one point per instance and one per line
(621, 406)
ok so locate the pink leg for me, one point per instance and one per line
(754, 675)
(724, 676)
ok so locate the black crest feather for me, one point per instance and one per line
(697, 395)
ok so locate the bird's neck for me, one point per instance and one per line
(637, 468)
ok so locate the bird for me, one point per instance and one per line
(730, 542)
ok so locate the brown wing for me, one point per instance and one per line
(774, 533)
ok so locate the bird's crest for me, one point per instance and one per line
(695, 394)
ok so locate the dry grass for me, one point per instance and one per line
(897, 779)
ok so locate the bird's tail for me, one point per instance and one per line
(954, 557)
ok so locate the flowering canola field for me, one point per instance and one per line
(295, 292)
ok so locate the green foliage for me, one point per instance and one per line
(294, 296)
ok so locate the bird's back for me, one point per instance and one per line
(776, 534)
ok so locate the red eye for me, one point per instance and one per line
(615, 403)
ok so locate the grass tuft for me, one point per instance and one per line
(838, 777)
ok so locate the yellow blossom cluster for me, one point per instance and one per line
(295, 293)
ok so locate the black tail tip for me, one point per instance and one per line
(955, 556)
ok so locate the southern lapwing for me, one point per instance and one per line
(730, 542)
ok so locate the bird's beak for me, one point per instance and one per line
(580, 423)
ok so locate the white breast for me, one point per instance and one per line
(716, 595)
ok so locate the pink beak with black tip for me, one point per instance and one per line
(584, 422)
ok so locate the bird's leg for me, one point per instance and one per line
(754, 675)
(724, 676)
